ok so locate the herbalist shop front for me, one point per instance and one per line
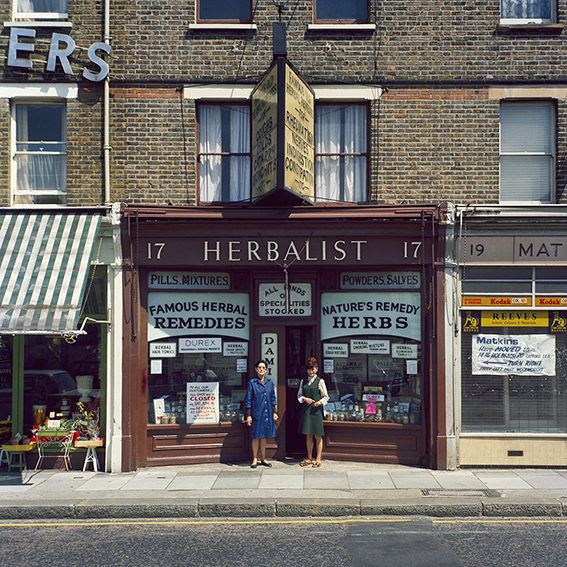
(208, 291)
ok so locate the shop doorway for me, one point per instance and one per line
(299, 346)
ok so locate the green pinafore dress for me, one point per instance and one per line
(311, 421)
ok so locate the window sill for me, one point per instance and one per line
(537, 28)
(341, 27)
(39, 24)
(227, 27)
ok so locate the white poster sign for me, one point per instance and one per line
(176, 314)
(234, 349)
(202, 402)
(530, 355)
(362, 313)
(361, 346)
(337, 350)
(163, 350)
(400, 350)
(272, 300)
(200, 344)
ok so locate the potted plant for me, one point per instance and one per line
(86, 423)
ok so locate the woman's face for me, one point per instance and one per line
(312, 371)
(261, 369)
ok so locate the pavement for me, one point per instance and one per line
(336, 489)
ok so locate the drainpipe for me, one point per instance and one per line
(106, 146)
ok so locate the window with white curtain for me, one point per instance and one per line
(40, 158)
(224, 152)
(527, 152)
(341, 158)
(527, 11)
(41, 9)
(341, 153)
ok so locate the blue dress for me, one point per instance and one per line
(261, 400)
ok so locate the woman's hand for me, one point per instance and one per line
(275, 416)
(249, 421)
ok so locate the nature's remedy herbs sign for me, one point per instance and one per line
(532, 355)
(371, 313)
(173, 314)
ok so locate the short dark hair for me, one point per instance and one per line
(261, 361)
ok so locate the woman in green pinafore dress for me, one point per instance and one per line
(312, 395)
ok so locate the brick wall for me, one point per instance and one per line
(434, 132)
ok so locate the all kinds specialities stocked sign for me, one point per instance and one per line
(530, 355)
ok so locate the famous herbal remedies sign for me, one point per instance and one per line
(346, 314)
(531, 355)
(202, 402)
(174, 314)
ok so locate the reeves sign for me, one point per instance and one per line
(61, 48)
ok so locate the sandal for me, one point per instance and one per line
(305, 463)
(316, 465)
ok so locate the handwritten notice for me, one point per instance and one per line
(202, 402)
(530, 355)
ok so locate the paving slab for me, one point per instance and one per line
(502, 480)
(456, 480)
(417, 479)
(149, 480)
(200, 482)
(102, 482)
(369, 480)
(328, 480)
(281, 480)
(241, 480)
(543, 479)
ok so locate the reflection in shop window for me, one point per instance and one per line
(373, 379)
(171, 371)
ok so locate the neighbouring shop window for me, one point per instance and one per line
(527, 11)
(224, 152)
(372, 356)
(514, 372)
(527, 152)
(224, 11)
(40, 154)
(41, 9)
(6, 366)
(337, 11)
(341, 160)
(197, 352)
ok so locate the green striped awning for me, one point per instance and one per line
(44, 266)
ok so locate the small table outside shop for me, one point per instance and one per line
(53, 437)
(13, 451)
(90, 456)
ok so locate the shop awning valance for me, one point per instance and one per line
(44, 266)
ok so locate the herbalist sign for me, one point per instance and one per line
(530, 355)
(174, 314)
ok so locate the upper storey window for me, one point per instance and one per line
(527, 152)
(355, 11)
(527, 11)
(41, 9)
(40, 154)
(231, 11)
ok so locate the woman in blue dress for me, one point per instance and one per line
(261, 415)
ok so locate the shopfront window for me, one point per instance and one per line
(372, 356)
(198, 355)
(514, 372)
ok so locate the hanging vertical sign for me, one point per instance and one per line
(269, 353)
(283, 139)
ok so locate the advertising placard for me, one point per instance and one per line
(202, 402)
(174, 314)
(273, 300)
(362, 313)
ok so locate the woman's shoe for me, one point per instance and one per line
(316, 465)
(266, 464)
(254, 466)
(305, 463)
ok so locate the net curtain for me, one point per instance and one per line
(228, 138)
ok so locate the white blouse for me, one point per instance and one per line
(322, 390)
